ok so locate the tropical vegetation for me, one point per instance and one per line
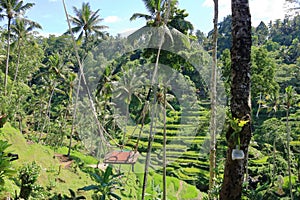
(176, 99)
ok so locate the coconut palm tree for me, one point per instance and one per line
(11, 9)
(86, 22)
(160, 14)
(178, 21)
(156, 9)
(53, 76)
(22, 28)
(170, 20)
(240, 99)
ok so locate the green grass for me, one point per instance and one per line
(133, 186)
(59, 180)
(52, 175)
(76, 155)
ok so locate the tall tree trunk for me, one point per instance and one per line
(47, 114)
(289, 96)
(7, 56)
(240, 98)
(18, 61)
(101, 130)
(126, 119)
(274, 161)
(150, 140)
(154, 79)
(74, 115)
(213, 126)
(259, 105)
(164, 148)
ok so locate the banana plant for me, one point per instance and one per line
(5, 163)
(106, 181)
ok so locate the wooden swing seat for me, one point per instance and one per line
(121, 157)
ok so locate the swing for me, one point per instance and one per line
(123, 156)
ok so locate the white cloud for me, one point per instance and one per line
(112, 19)
(208, 3)
(261, 10)
(266, 10)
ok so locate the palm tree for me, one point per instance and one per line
(11, 9)
(86, 23)
(177, 21)
(100, 128)
(161, 11)
(21, 28)
(55, 73)
(240, 99)
(162, 98)
(127, 86)
(156, 9)
(170, 19)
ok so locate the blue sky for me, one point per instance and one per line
(116, 13)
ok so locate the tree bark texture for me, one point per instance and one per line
(213, 117)
(240, 98)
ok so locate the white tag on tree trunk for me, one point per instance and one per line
(237, 154)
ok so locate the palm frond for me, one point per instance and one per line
(20, 7)
(100, 27)
(150, 5)
(94, 17)
(140, 15)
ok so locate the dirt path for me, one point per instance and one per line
(64, 160)
(179, 189)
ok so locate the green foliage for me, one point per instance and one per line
(28, 175)
(86, 23)
(237, 126)
(263, 70)
(106, 181)
(5, 163)
(48, 62)
(72, 196)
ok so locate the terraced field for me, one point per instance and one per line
(185, 138)
(187, 152)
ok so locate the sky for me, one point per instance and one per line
(116, 13)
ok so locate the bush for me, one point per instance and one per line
(28, 175)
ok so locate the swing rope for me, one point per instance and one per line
(101, 130)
